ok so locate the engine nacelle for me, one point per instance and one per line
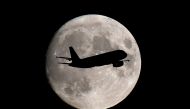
(118, 64)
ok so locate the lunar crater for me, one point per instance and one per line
(128, 43)
(78, 87)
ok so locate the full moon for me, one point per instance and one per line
(98, 87)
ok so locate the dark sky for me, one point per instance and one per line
(29, 28)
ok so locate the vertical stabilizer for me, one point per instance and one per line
(74, 55)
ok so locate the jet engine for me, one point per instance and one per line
(118, 64)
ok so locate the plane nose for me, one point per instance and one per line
(124, 54)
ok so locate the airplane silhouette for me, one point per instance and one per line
(113, 57)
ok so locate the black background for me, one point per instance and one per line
(29, 28)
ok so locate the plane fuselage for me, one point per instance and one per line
(99, 60)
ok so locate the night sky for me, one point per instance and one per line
(29, 29)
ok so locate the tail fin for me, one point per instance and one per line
(74, 55)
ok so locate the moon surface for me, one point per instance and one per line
(97, 87)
